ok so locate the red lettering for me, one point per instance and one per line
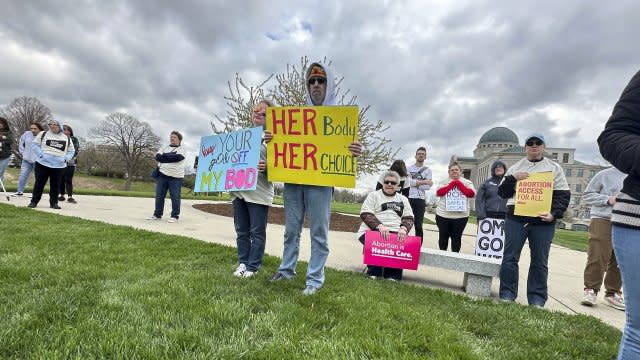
(310, 153)
(309, 118)
(293, 156)
(280, 154)
(293, 121)
(275, 121)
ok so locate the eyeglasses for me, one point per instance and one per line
(53, 124)
(316, 80)
(389, 182)
(534, 142)
(263, 114)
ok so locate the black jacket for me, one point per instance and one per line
(620, 140)
(488, 201)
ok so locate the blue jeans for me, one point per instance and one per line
(540, 237)
(315, 202)
(25, 171)
(3, 165)
(164, 183)
(250, 221)
(626, 244)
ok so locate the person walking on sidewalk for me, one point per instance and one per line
(620, 145)
(28, 155)
(170, 177)
(420, 180)
(67, 177)
(312, 200)
(251, 209)
(53, 149)
(600, 194)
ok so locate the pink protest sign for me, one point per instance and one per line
(392, 253)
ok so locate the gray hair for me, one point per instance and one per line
(391, 173)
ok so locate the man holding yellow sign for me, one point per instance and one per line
(538, 194)
(311, 149)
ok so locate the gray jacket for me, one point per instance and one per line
(488, 203)
(606, 183)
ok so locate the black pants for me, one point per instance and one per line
(450, 228)
(384, 272)
(418, 206)
(67, 180)
(42, 174)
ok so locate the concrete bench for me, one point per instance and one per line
(478, 271)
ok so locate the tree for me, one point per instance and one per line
(134, 140)
(290, 90)
(21, 112)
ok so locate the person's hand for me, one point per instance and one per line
(355, 148)
(612, 200)
(402, 234)
(267, 136)
(521, 175)
(262, 166)
(546, 217)
(384, 232)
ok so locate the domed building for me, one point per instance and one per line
(503, 143)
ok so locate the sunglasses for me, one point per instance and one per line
(316, 80)
(263, 114)
(534, 142)
(389, 182)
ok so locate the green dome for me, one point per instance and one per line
(499, 134)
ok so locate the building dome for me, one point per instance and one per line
(499, 134)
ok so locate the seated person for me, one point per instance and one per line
(386, 211)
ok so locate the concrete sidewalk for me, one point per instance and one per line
(565, 266)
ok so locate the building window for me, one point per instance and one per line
(592, 173)
(576, 213)
(578, 187)
(580, 172)
(565, 158)
(587, 213)
(567, 172)
(554, 156)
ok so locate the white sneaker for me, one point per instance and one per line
(616, 301)
(589, 297)
(240, 270)
(248, 274)
(172, 220)
(310, 290)
(153, 217)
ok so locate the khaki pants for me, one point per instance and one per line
(601, 259)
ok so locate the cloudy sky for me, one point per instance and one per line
(440, 73)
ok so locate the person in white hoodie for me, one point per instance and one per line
(601, 194)
(171, 175)
(52, 150)
(28, 155)
(314, 201)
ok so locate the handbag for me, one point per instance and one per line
(155, 173)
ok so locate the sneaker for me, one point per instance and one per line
(55, 206)
(280, 276)
(72, 200)
(153, 217)
(61, 198)
(32, 205)
(589, 297)
(172, 220)
(616, 301)
(310, 290)
(17, 194)
(240, 270)
(373, 277)
(248, 274)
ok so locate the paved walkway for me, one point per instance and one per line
(565, 266)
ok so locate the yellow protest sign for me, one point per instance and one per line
(533, 194)
(310, 145)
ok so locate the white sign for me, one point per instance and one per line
(490, 241)
(455, 200)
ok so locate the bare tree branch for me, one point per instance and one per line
(21, 112)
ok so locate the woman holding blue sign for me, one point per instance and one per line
(452, 212)
(386, 211)
(251, 209)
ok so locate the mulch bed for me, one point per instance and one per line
(339, 222)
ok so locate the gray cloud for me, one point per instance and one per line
(438, 74)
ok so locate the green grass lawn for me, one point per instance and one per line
(71, 288)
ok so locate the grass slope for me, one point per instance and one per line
(71, 288)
